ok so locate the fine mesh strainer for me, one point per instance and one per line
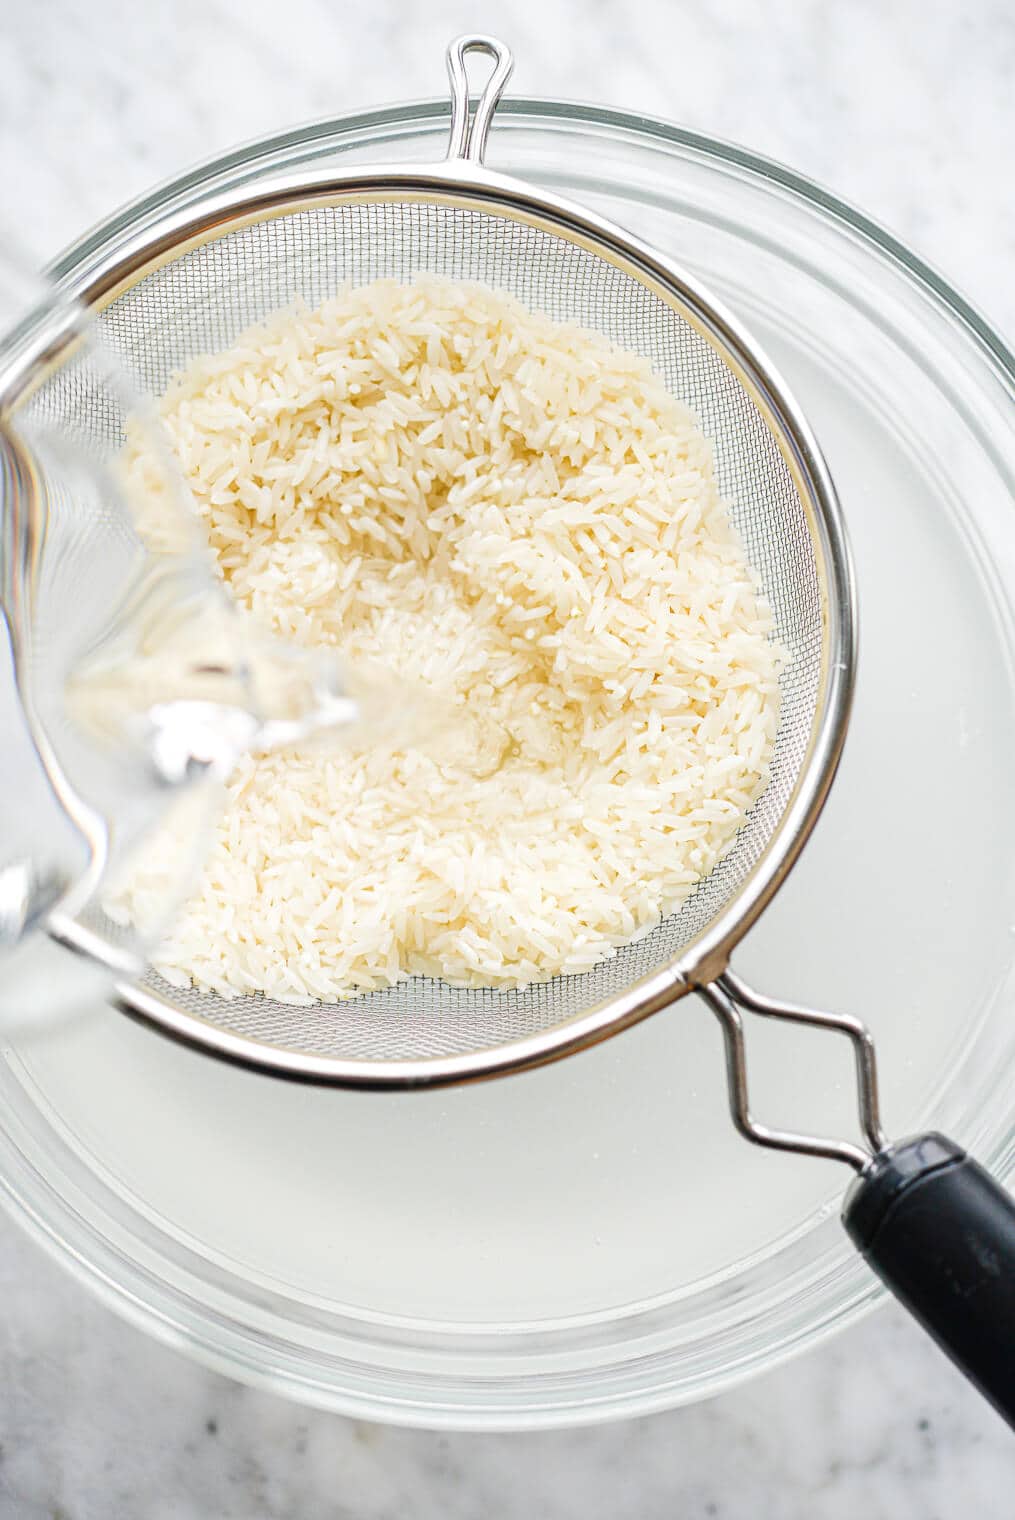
(931, 1222)
(192, 289)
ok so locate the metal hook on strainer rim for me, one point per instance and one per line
(938, 1230)
(468, 135)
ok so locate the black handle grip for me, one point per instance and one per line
(940, 1233)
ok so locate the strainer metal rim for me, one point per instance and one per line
(705, 958)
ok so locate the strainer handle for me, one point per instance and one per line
(935, 1227)
(469, 135)
(940, 1233)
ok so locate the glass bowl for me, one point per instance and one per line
(593, 1240)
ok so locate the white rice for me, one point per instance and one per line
(442, 483)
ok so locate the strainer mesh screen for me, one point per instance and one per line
(202, 300)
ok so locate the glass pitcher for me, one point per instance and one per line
(129, 683)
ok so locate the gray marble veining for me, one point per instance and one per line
(98, 1423)
(904, 108)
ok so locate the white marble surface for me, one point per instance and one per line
(902, 106)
